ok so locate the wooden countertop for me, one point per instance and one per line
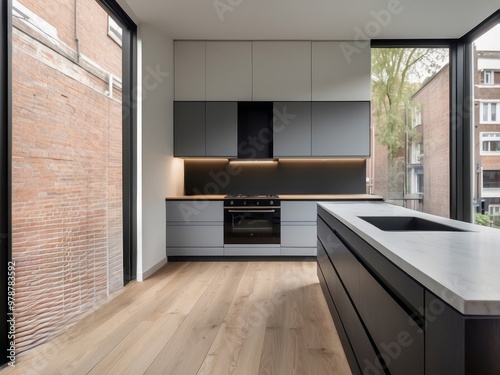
(289, 197)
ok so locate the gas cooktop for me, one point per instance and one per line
(258, 196)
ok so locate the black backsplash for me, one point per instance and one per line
(285, 177)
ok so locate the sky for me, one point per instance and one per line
(489, 41)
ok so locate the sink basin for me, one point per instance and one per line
(407, 223)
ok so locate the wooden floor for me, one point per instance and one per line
(203, 318)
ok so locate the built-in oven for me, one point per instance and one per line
(252, 219)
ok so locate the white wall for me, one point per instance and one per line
(161, 174)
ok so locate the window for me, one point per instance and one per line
(490, 143)
(491, 179)
(416, 117)
(489, 77)
(404, 86)
(115, 31)
(494, 209)
(490, 113)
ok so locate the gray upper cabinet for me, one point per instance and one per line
(292, 129)
(340, 129)
(229, 71)
(281, 71)
(205, 129)
(221, 129)
(189, 70)
(189, 128)
(338, 75)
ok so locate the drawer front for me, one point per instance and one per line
(298, 236)
(357, 335)
(298, 211)
(398, 338)
(195, 236)
(344, 261)
(192, 211)
(326, 268)
(402, 285)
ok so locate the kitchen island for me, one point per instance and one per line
(410, 293)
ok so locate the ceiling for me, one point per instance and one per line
(310, 19)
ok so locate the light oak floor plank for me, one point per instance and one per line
(202, 318)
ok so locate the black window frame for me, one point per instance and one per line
(461, 110)
(5, 171)
(129, 134)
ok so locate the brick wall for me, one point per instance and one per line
(434, 100)
(67, 220)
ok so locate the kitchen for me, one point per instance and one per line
(302, 176)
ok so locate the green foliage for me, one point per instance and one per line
(483, 220)
(397, 74)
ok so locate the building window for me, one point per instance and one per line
(489, 77)
(491, 179)
(490, 143)
(416, 117)
(115, 31)
(490, 113)
(494, 209)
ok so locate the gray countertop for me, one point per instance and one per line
(462, 268)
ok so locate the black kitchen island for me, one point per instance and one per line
(408, 299)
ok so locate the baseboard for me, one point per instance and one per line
(151, 271)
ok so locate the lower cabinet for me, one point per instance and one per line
(382, 335)
(195, 228)
(298, 228)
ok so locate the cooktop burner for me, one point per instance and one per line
(233, 196)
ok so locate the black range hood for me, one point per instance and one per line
(255, 130)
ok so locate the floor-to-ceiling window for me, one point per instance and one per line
(486, 76)
(411, 127)
(70, 195)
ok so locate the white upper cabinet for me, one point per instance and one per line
(229, 71)
(189, 70)
(340, 73)
(282, 71)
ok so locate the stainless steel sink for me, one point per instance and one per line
(407, 223)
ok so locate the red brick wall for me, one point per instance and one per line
(67, 226)
(92, 28)
(434, 98)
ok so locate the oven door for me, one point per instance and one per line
(252, 225)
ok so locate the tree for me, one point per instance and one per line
(397, 74)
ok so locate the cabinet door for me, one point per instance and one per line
(282, 71)
(296, 211)
(338, 76)
(189, 128)
(292, 129)
(229, 71)
(341, 128)
(194, 211)
(189, 70)
(298, 235)
(393, 331)
(221, 129)
(193, 236)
